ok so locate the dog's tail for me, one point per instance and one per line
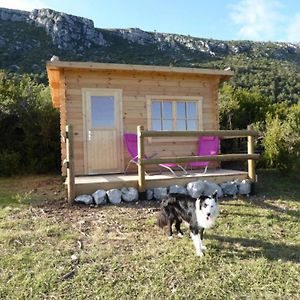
(162, 219)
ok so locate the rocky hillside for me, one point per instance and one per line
(29, 39)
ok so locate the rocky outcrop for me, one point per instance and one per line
(166, 41)
(66, 31)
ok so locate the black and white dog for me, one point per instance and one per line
(199, 214)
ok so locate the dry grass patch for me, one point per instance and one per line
(50, 250)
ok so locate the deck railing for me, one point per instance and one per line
(69, 161)
(224, 134)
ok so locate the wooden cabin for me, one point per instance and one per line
(103, 101)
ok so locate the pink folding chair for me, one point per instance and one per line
(130, 141)
(207, 145)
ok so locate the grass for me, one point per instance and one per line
(50, 250)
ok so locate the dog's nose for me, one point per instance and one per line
(208, 214)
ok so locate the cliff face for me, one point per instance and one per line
(66, 31)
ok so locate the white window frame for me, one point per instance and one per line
(174, 99)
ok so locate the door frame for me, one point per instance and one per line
(86, 93)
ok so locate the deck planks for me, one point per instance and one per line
(89, 184)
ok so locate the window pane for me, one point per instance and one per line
(156, 125)
(167, 110)
(192, 125)
(103, 111)
(156, 110)
(167, 125)
(191, 110)
(180, 125)
(180, 110)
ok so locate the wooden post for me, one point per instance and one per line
(141, 155)
(251, 163)
(70, 164)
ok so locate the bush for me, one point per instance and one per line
(29, 125)
(282, 140)
(9, 163)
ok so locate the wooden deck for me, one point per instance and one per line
(89, 184)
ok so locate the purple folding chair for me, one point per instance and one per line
(130, 141)
(207, 145)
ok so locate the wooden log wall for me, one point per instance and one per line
(136, 85)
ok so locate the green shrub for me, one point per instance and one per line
(29, 125)
(282, 140)
(9, 163)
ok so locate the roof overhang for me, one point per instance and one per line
(56, 68)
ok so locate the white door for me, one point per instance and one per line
(103, 126)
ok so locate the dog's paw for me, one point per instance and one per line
(180, 235)
(203, 248)
(199, 254)
(170, 237)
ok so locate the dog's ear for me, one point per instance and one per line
(215, 195)
(201, 198)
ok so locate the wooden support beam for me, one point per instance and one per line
(141, 155)
(70, 164)
(251, 163)
(186, 159)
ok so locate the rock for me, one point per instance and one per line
(160, 193)
(211, 187)
(244, 187)
(177, 189)
(67, 32)
(129, 194)
(196, 188)
(149, 194)
(136, 35)
(54, 58)
(114, 196)
(86, 199)
(229, 188)
(99, 197)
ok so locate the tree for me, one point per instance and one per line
(282, 139)
(29, 126)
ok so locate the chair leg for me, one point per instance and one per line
(127, 168)
(183, 169)
(169, 170)
(131, 161)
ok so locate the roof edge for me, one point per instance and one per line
(128, 67)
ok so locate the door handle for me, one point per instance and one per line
(89, 135)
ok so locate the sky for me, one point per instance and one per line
(257, 20)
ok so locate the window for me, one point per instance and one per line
(186, 116)
(103, 111)
(174, 114)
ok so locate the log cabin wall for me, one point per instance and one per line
(136, 86)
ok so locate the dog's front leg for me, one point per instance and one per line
(203, 248)
(197, 242)
(170, 236)
(177, 226)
